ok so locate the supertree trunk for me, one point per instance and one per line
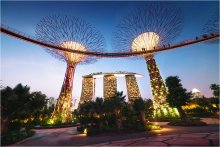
(62, 111)
(159, 91)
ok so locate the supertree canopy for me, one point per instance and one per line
(72, 33)
(155, 20)
(212, 27)
(147, 28)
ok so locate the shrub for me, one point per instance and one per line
(108, 129)
(187, 123)
(93, 131)
(199, 112)
(139, 127)
(15, 136)
(15, 126)
(80, 129)
(150, 127)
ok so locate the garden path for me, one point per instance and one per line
(169, 135)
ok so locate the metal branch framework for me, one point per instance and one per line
(212, 27)
(161, 18)
(145, 29)
(74, 34)
(58, 29)
(144, 32)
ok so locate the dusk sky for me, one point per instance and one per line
(22, 62)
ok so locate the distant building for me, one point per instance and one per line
(51, 102)
(196, 93)
(109, 85)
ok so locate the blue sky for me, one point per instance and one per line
(21, 62)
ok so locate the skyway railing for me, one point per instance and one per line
(11, 32)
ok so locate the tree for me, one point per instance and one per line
(35, 107)
(117, 102)
(140, 107)
(86, 112)
(214, 101)
(19, 104)
(215, 90)
(13, 101)
(7, 96)
(177, 95)
(216, 96)
(149, 108)
(99, 109)
(202, 102)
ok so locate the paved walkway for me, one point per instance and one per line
(169, 135)
(193, 139)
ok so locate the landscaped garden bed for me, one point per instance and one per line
(15, 136)
(52, 126)
(187, 123)
(106, 130)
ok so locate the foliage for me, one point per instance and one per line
(199, 112)
(19, 105)
(15, 126)
(93, 131)
(177, 95)
(214, 101)
(151, 127)
(113, 114)
(99, 112)
(80, 129)
(117, 103)
(139, 105)
(13, 101)
(215, 90)
(187, 123)
(205, 107)
(149, 110)
(202, 102)
(142, 108)
(15, 136)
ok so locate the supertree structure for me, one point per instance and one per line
(71, 33)
(212, 27)
(154, 25)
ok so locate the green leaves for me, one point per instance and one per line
(19, 104)
(177, 95)
(215, 90)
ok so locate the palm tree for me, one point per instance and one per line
(149, 108)
(118, 101)
(12, 104)
(108, 112)
(7, 97)
(18, 103)
(99, 109)
(140, 107)
(215, 90)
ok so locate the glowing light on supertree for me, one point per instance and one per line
(147, 28)
(72, 33)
